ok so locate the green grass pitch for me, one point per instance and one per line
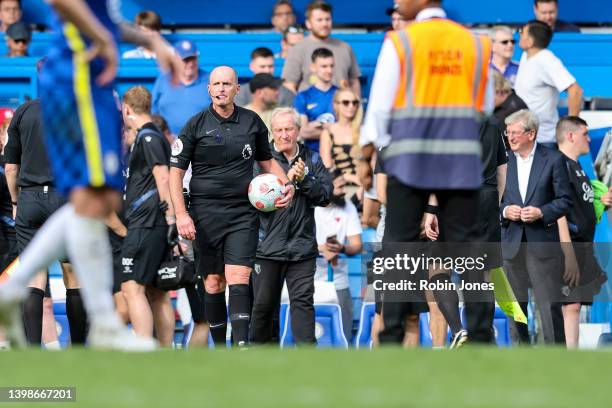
(469, 377)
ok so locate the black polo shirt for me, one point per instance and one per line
(222, 153)
(581, 216)
(141, 197)
(493, 152)
(26, 146)
(6, 206)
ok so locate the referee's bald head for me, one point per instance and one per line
(223, 86)
(223, 70)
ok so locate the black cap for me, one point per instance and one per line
(260, 81)
(19, 31)
(390, 10)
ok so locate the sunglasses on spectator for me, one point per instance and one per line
(347, 103)
(294, 30)
(20, 41)
(506, 42)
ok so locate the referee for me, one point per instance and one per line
(222, 143)
(30, 184)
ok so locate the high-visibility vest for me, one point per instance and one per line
(438, 106)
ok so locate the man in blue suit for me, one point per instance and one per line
(537, 194)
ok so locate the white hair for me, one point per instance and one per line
(526, 118)
(285, 111)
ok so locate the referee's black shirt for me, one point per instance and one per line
(222, 153)
(141, 197)
(26, 146)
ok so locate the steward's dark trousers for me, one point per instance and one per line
(405, 208)
(268, 277)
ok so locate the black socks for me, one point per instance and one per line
(240, 313)
(216, 314)
(33, 315)
(77, 317)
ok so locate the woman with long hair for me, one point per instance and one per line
(339, 146)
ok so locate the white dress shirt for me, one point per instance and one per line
(375, 129)
(523, 170)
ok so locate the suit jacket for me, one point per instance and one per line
(548, 189)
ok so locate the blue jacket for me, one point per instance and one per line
(548, 189)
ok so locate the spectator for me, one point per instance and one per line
(506, 100)
(18, 37)
(340, 140)
(547, 11)
(178, 103)
(531, 207)
(10, 13)
(291, 36)
(262, 62)
(296, 71)
(397, 21)
(287, 248)
(149, 22)
(315, 104)
(265, 91)
(540, 79)
(338, 232)
(282, 16)
(503, 50)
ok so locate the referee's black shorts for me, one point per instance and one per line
(143, 251)
(224, 237)
(34, 207)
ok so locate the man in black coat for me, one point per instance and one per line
(287, 247)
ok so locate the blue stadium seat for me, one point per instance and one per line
(282, 318)
(63, 328)
(605, 340)
(187, 332)
(328, 328)
(424, 333)
(501, 325)
(368, 235)
(363, 339)
(55, 271)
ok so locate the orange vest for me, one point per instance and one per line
(438, 105)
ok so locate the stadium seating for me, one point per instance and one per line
(363, 339)
(346, 12)
(588, 57)
(62, 326)
(328, 328)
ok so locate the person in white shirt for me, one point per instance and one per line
(541, 78)
(338, 232)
